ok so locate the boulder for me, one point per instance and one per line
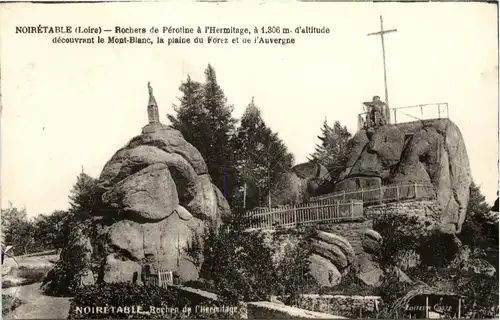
(88, 278)
(356, 146)
(148, 194)
(204, 205)
(330, 252)
(381, 153)
(357, 183)
(172, 141)
(290, 189)
(425, 152)
(126, 162)
(368, 270)
(371, 241)
(116, 270)
(342, 243)
(165, 242)
(323, 271)
(437, 154)
(305, 180)
(401, 276)
(309, 170)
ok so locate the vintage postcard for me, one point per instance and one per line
(166, 160)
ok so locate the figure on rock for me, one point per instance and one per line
(376, 112)
(153, 115)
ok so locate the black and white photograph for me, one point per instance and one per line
(239, 160)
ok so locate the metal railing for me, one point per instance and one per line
(410, 113)
(389, 193)
(320, 211)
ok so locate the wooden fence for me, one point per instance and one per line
(389, 193)
(161, 278)
(327, 210)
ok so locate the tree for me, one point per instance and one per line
(204, 118)
(333, 152)
(50, 231)
(82, 196)
(479, 230)
(17, 230)
(190, 112)
(261, 158)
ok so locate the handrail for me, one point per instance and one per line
(383, 194)
(304, 214)
(392, 113)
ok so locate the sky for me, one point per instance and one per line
(71, 106)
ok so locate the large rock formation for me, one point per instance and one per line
(423, 152)
(156, 200)
(162, 197)
(305, 180)
(332, 258)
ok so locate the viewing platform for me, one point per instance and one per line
(408, 114)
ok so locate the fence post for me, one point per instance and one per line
(381, 193)
(352, 209)
(362, 195)
(397, 192)
(295, 215)
(395, 120)
(416, 188)
(439, 111)
(343, 192)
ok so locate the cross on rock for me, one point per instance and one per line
(381, 33)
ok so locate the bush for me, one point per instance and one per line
(175, 305)
(480, 291)
(64, 278)
(392, 288)
(239, 264)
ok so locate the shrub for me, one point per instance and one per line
(64, 278)
(292, 269)
(114, 295)
(239, 264)
(480, 291)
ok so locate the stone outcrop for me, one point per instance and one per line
(157, 198)
(333, 254)
(161, 198)
(323, 271)
(424, 152)
(372, 241)
(368, 270)
(305, 180)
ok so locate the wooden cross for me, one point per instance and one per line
(381, 33)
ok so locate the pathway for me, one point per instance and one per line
(37, 305)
